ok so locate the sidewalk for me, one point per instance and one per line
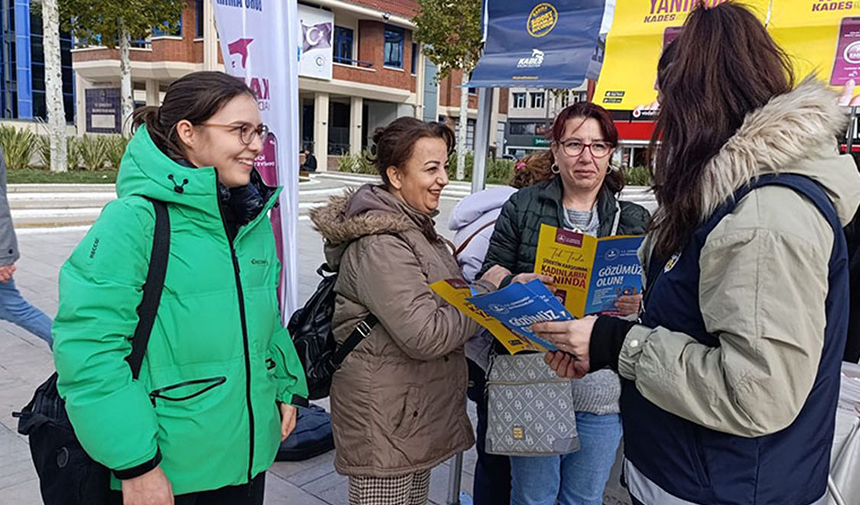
(25, 362)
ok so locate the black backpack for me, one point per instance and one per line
(67, 474)
(310, 329)
(311, 437)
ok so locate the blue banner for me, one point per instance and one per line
(534, 43)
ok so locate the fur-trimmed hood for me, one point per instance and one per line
(368, 210)
(793, 133)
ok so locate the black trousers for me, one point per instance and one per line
(247, 494)
(492, 484)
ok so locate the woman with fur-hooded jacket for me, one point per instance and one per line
(730, 380)
(398, 401)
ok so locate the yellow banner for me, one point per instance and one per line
(640, 31)
(822, 38)
(456, 292)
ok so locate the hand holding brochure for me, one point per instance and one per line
(590, 273)
(519, 306)
(509, 312)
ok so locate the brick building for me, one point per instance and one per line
(378, 73)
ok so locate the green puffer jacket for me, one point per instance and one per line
(515, 239)
(218, 357)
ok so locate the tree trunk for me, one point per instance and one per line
(54, 85)
(126, 90)
(464, 127)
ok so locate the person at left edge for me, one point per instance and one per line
(214, 398)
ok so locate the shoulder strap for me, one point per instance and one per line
(361, 331)
(153, 287)
(466, 242)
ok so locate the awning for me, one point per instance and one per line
(538, 44)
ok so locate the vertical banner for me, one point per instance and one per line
(259, 42)
(640, 31)
(821, 38)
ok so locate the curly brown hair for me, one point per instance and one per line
(532, 169)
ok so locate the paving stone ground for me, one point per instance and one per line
(25, 362)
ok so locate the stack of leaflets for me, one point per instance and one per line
(589, 274)
(508, 313)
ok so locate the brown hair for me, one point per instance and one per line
(614, 180)
(532, 169)
(196, 97)
(723, 66)
(393, 145)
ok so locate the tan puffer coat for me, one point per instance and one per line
(399, 400)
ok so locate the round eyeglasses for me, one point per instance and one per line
(246, 131)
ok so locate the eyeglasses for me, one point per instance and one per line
(246, 131)
(598, 149)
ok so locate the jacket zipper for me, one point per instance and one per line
(244, 335)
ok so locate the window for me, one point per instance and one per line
(519, 100)
(200, 14)
(170, 31)
(538, 100)
(473, 91)
(393, 49)
(343, 38)
(414, 58)
(524, 128)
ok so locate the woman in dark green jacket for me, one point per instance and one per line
(203, 421)
(581, 197)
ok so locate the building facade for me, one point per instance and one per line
(377, 73)
(22, 64)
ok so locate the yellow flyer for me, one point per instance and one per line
(821, 38)
(456, 292)
(640, 30)
(590, 273)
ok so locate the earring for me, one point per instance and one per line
(554, 168)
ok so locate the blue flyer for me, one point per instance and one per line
(519, 306)
(616, 272)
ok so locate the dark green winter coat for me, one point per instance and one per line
(515, 239)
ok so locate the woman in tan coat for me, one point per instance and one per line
(399, 400)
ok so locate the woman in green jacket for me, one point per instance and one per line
(215, 393)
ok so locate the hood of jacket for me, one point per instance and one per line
(474, 206)
(369, 210)
(793, 133)
(146, 171)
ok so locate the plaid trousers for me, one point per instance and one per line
(411, 489)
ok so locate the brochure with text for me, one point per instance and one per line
(507, 313)
(590, 273)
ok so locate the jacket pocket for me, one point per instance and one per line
(412, 415)
(186, 390)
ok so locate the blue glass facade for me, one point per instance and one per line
(22, 64)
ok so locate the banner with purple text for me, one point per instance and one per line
(259, 43)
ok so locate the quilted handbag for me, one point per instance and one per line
(530, 408)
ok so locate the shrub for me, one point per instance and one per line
(18, 146)
(115, 146)
(43, 148)
(637, 176)
(92, 152)
(499, 171)
(452, 166)
(356, 164)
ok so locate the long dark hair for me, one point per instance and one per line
(614, 180)
(393, 145)
(195, 97)
(723, 66)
